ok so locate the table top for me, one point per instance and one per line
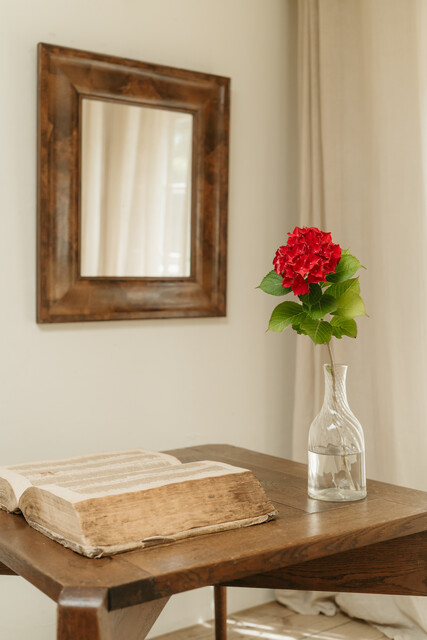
(304, 529)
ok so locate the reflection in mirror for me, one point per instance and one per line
(135, 191)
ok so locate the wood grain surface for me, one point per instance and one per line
(305, 532)
(396, 566)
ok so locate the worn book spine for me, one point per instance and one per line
(15, 479)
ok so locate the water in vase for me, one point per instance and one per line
(336, 477)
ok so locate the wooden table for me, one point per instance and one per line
(377, 545)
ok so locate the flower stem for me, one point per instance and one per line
(335, 402)
(331, 357)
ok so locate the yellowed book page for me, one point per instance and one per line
(78, 488)
(14, 479)
(12, 486)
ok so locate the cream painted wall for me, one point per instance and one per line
(77, 388)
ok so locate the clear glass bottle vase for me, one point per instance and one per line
(336, 447)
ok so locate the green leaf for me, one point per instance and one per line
(346, 326)
(299, 330)
(272, 284)
(284, 314)
(315, 293)
(318, 330)
(339, 288)
(346, 267)
(326, 304)
(350, 305)
(337, 333)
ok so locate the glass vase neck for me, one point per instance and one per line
(335, 383)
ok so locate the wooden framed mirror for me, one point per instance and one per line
(132, 189)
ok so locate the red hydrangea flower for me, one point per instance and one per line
(308, 256)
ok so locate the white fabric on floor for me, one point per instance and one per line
(400, 617)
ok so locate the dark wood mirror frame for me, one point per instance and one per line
(66, 76)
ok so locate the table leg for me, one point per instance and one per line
(83, 614)
(220, 597)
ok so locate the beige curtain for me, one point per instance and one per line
(363, 170)
(136, 190)
(363, 161)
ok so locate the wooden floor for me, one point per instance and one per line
(273, 621)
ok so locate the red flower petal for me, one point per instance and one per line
(309, 253)
(299, 286)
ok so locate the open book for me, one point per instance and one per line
(106, 503)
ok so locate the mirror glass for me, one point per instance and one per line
(136, 185)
